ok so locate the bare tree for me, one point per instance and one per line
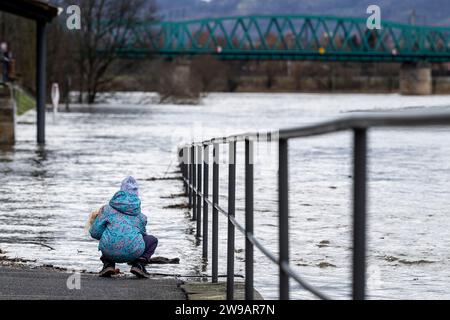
(211, 73)
(107, 26)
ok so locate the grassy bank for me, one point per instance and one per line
(24, 101)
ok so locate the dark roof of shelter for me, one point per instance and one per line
(31, 9)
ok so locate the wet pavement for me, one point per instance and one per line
(40, 284)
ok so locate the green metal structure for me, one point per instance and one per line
(289, 37)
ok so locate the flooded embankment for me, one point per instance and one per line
(46, 193)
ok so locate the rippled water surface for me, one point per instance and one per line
(47, 192)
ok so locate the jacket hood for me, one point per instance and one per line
(126, 203)
(130, 185)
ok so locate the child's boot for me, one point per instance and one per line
(138, 269)
(109, 269)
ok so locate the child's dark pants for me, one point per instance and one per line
(151, 243)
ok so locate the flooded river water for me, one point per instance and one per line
(47, 192)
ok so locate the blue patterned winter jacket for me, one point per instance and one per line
(120, 227)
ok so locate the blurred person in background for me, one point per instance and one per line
(5, 57)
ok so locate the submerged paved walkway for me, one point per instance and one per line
(24, 283)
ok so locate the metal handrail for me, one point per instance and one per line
(265, 251)
(358, 123)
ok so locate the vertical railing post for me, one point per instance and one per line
(183, 167)
(215, 217)
(194, 178)
(190, 160)
(41, 78)
(283, 217)
(231, 213)
(205, 198)
(186, 169)
(248, 218)
(359, 213)
(199, 191)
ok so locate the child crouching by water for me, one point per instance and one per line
(121, 228)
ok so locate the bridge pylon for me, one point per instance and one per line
(177, 82)
(416, 78)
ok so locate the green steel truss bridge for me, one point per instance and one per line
(289, 37)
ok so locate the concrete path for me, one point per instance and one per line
(25, 283)
(216, 291)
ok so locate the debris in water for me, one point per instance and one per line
(163, 178)
(325, 265)
(14, 260)
(39, 244)
(163, 260)
(407, 262)
(172, 196)
(177, 206)
(323, 243)
(302, 264)
(390, 258)
(415, 262)
(59, 268)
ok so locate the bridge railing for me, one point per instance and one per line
(195, 170)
